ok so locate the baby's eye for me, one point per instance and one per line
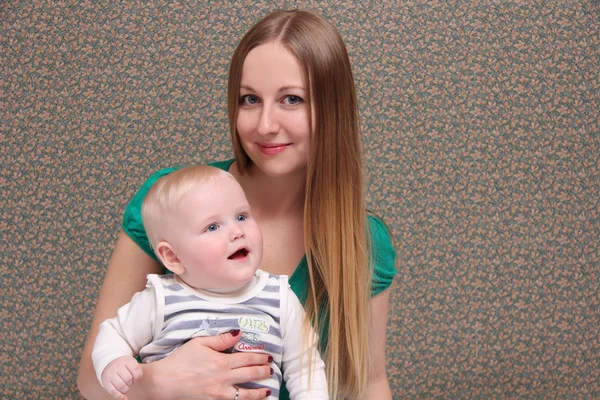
(212, 228)
(248, 99)
(292, 100)
(241, 217)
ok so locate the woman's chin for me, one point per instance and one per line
(278, 169)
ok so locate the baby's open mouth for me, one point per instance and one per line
(241, 253)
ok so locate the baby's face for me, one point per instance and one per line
(217, 239)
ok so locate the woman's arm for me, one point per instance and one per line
(195, 369)
(379, 387)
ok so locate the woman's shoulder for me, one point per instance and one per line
(380, 233)
(383, 255)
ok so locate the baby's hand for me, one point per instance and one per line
(119, 374)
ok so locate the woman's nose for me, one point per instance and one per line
(268, 120)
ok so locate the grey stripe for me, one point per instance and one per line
(271, 288)
(201, 308)
(260, 301)
(201, 324)
(174, 287)
(174, 299)
(168, 342)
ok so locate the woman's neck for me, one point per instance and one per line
(273, 196)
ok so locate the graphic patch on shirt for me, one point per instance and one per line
(251, 333)
(254, 324)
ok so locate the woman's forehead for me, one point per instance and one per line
(271, 64)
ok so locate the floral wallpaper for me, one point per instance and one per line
(481, 135)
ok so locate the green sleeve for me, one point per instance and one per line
(383, 254)
(132, 217)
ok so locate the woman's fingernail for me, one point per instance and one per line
(268, 393)
(271, 371)
(234, 332)
(270, 359)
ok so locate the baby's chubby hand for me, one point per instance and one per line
(119, 374)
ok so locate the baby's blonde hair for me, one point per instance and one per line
(163, 198)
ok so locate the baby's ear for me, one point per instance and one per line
(167, 256)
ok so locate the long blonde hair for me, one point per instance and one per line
(335, 221)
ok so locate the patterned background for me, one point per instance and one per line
(481, 126)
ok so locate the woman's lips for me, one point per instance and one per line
(272, 149)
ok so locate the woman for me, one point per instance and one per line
(295, 131)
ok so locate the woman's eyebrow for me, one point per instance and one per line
(284, 88)
(281, 89)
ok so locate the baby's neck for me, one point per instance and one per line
(232, 292)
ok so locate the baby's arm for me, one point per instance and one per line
(295, 358)
(119, 339)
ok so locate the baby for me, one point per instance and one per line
(201, 228)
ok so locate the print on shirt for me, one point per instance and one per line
(251, 329)
(205, 327)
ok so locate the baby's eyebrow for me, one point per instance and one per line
(210, 219)
(242, 208)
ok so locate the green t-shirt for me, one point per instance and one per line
(383, 253)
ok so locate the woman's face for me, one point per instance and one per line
(272, 121)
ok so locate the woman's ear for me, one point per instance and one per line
(167, 256)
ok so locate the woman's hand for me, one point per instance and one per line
(198, 370)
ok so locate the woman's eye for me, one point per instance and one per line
(212, 228)
(241, 217)
(292, 100)
(249, 99)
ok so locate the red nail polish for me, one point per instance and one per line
(234, 332)
(268, 393)
(271, 371)
(270, 359)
